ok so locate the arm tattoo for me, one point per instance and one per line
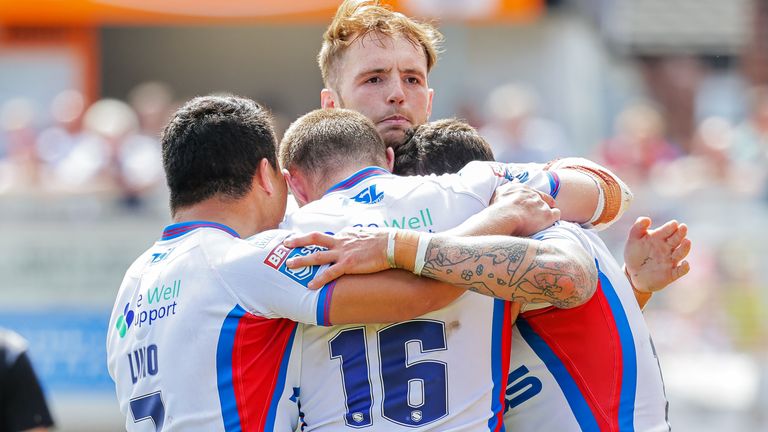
(521, 270)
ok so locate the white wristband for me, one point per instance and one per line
(421, 253)
(391, 249)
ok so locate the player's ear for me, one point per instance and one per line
(390, 159)
(297, 186)
(431, 94)
(265, 177)
(327, 98)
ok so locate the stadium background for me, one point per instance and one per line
(666, 92)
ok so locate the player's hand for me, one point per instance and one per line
(520, 210)
(654, 257)
(350, 251)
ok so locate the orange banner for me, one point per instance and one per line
(160, 12)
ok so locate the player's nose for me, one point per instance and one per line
(396, 93)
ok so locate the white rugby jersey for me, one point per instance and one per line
(590, 368)
(445, 371)
(203, 334)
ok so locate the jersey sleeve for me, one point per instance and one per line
(258, 276)
(482, 178)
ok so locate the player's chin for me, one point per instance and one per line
(393, 136)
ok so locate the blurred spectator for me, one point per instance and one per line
(516, 133)
(749, 150)
(639, 144)
(751, 136)
(55, 142)
(705, 168)
(22, 403)
(20, 169)
(107, 147)
(153, 103)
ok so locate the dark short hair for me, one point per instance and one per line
(324, 139)
(440, 147)
(212, 146)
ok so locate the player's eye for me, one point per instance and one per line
(413, 80)
(373, 80)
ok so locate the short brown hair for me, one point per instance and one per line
(441, 147)
(356, 18)
(325, 139)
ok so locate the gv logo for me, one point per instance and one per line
(369, 195)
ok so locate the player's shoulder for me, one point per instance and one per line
(444, 182)
(249, 256)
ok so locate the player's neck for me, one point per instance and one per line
(336, 177)
(241, 215)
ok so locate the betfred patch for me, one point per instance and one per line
(277, 256)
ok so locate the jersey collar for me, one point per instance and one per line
(176, 230)
(357, 177)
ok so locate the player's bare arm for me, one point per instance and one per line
(509, 268)
(585, 192)
(612, 199)
(516, 269)
(389, 296)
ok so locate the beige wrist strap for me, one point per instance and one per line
(406, 246)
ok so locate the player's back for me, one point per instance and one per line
(443, 371)
(589, 368)
(190, 349)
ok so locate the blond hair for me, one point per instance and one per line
(357, 18)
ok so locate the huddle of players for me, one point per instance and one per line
(224, 357)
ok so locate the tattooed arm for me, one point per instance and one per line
(554, 271)
(558, 272)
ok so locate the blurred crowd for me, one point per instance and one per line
(722, 153)
(109, 147)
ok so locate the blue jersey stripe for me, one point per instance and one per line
(270, 423)
(554, 184)
(176, 230)
(496, 355)
(224, 379)
(356, 178)
(322, 314)
(576, 400)
(628, 355)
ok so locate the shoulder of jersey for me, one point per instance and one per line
(565, 229)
